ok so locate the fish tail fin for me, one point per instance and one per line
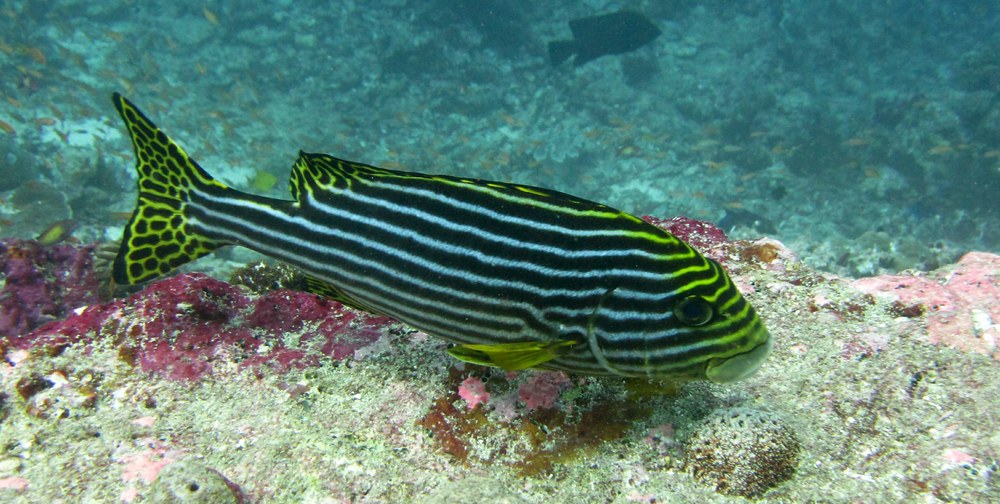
(560, 51)
(159, 236)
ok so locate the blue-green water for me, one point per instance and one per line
(864, 135)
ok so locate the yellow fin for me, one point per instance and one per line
(263, 181)
(512, 356)
(159, 237)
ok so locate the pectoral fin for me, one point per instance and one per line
(512, 356)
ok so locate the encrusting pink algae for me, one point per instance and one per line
(879, 389)
(179, 327)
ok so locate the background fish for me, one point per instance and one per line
(57, 232)
(597, 36)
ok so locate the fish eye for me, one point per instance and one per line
(693, 311)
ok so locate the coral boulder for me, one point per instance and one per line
(742, 451)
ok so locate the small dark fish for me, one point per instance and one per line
(597, 36)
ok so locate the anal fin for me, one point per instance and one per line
(325, 289)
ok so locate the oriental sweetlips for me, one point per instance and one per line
(515, 276)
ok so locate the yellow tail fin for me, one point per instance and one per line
(158, 237)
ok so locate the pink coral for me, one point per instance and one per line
(182, 327)
(473, 390)
(954, 456)
(960, 300)
(699, 234)
(145, 465)
(14, 483)
(542, 389)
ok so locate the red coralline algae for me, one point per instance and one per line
(42, 284)
(184, 326)
(543, 434)
(960, 301)
(473, 391)
(699, 234)
(543, 389)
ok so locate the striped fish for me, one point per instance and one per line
(515, 276)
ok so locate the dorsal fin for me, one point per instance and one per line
(308, 175)
(323, 172)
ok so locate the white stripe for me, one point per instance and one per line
(314, 229)
(521, 202)
(478, 233)
(570, 234)
(372, 291)
(449, 321)
(361, 286)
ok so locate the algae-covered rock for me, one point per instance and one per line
(742, 451)
(191, 482)
(472, 489)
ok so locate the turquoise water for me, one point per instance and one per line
(866, 137)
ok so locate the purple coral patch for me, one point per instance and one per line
(183, 327)
(42, 284)
(699, 234)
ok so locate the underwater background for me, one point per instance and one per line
(864, 136)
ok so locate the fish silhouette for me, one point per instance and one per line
(596, 36)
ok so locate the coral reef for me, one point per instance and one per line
(863, 135)
(742, 451)
(535, 435)
(960, 301)
(853, 377)
(261, 277)
(186, 326)
(473, 488)
(473, 392)
(37, 205)
(43, 284)
(699, 234)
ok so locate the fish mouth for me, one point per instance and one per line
(739, 366)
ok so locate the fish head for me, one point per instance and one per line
(741, 365)
(705, 330)
(722, 336)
